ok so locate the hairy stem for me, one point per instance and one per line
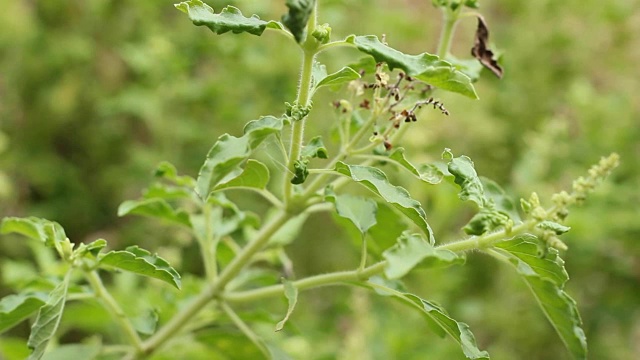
(214, 289)
(114, 309)
(449, 18)
(307, 283)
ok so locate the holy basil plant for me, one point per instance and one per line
(359, 175)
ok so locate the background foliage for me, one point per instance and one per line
(95, 93)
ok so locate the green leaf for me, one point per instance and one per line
(424, 67)
(229, 152)
(229, 19)
(375, 180)
(254, 175)
(315, 149)
(425, 172)
(146, 323)
(297, 17)
(167, 171)
(466, 177)
(487, 219)
(320, 77)
(155, 208)
(49, 232)
(48, 319)
(168, 192)
(546, 278)
(412, 250)
(300, 171)
(16, 308)
(470, 67)
(291, 293)
(141, 262)
(437, 318)
(459, 331)
(360, 211)
(559, 229)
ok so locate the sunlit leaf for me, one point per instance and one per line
(49, 232)
(229, 152)
(229, 19)
(16, 308)
(412, 250)
(375, 180)
(167, 171)
(291, 293)
(360, 211)
(546, 277)
(48, 320)
(425, 67)
(297, 17)
(254, 175)
(320, 77)
(425, 172)
(155, 208)
(141, 262)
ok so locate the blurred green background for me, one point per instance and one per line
(95, 93)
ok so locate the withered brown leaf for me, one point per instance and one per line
(480, 50)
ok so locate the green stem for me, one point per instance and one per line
(114, 309)
(450, 18)
(309, 52)
(307, 283)
(363, 254)
(213, 290)
(209, 246)
(485, 241)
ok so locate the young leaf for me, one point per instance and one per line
(424, 67)
(546, 278)
(229, 19)
(426, 172)
(229, 152)
(49, 232)
(376, 180)
(361, 211)
(412, 250)
(254, 175)
(291, 293)
(156, 208)
(16, 308)
(140, 261)
(320, 77)
(297, 17)
(315, 149)
(74, 351)
(167, 171)
(48, 319)
(146, 323)
(466, 177)
(559, 229)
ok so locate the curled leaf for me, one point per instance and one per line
(413, 250)
(229, 19)
(291, 293)
(297, 17)
(480, 50)
(142, 262)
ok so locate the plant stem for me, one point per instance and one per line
(307, 283)
(302, 99)
(449, 18)
(209, 245)
(484, 241)
(213, 290)
(114, 309)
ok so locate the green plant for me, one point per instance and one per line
(243, 253)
